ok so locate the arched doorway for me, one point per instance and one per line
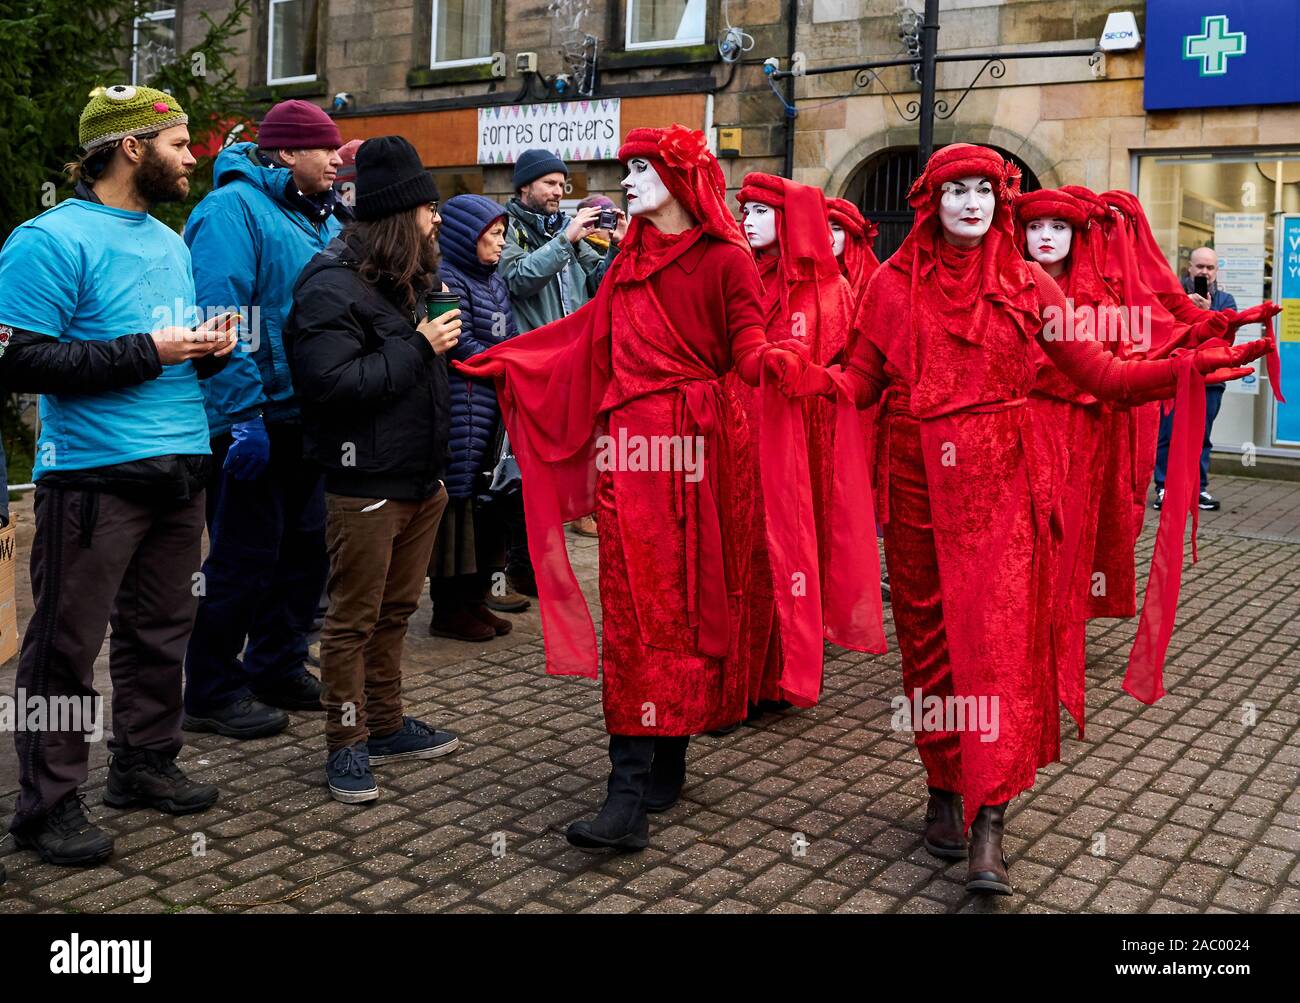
(879, 188)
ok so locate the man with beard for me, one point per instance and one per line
(97, 314)
(550, 271)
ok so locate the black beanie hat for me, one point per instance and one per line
(533, 164)
(390, 179)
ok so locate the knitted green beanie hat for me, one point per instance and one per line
(123, 110)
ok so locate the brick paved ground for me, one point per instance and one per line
(1181, 807)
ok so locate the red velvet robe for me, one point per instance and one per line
(967, 507)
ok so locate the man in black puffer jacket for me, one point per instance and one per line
(375, 410)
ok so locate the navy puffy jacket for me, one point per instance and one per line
(485, 320)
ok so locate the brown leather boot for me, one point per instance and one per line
(944, 836)
(987, 870)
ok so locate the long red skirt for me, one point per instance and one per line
(968, 576)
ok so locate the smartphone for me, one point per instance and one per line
(1201, 286)
(226, 322)
(607, 220)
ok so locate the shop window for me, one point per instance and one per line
(659, 23)
(462, 33)
(153, 44)
(291, 39)
(1230, 201)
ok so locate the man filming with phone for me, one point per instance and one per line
(550, 270)
(1201, 286)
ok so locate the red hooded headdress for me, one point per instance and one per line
(1083, 282)
(804, 279)
(859, 259)
(965, 291)
(692, 174)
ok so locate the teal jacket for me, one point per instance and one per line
(249, 246)
(547, 276)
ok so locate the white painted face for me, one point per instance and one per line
(837, 239)
(966, 209)
(1048, 240)
(645, 190)
(760, 224)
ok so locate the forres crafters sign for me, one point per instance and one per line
(572, 130)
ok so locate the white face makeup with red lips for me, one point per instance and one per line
(837, 239)
(645, 190)
(759, 221)
(1048, 240)
(966, 208)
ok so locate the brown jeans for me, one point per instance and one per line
(378, 561)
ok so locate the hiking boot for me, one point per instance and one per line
(149, 777)
(245, 718)
(301, 691)
(64, 835)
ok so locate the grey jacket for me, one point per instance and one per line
(547, 276)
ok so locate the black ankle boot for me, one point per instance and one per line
(667, 773)
(622, 823)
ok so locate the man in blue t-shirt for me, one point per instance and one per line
(97, 314)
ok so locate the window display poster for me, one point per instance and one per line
(1239, 241)
(1286, 292)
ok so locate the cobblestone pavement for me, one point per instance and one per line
(1180, 807)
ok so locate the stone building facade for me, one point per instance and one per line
(1066, 120)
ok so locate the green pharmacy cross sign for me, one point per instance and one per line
(1214, 45)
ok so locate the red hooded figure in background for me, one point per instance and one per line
(1063, 235)
(806, 299)
(856, 256)
(946, 335)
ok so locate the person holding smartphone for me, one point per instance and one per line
(1202, 288)
(366, 355)
(89, 291)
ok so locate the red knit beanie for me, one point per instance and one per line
(298, 125)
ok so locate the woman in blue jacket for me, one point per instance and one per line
(471, 542)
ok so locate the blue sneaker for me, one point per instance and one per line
(414, 740)
(348, 772)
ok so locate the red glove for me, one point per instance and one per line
(1219, 363)
(1255, 314)
(1211, 357)
(795, 376)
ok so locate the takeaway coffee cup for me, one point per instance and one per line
(440, 303)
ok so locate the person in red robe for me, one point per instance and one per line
(1063, 235)
(805, 299)
(595, 405)
(852, 239)
(945, 335)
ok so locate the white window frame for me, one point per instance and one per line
(434, 62)
(665, 43)
(153, 15)
(272, 81)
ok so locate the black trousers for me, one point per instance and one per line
(100, 560)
